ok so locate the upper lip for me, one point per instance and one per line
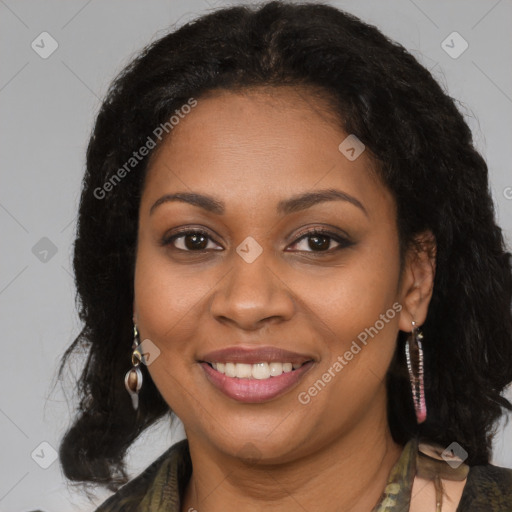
(239, 354)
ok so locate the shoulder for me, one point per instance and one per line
(488, 488)
(132, 494)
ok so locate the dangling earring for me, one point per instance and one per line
(133, 377)
(414, 354)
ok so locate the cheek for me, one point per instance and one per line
(166, 295)
(351, 376)
(359, 315)
(168, 301)
(165, 315)
(353, 297)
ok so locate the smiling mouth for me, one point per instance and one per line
(257, 382)
(259, 371)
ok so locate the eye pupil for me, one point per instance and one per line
(194, 238)
(320, 242)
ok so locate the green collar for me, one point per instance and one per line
(397, 493)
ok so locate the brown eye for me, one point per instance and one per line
(194, 241)
(319, 241)
(189, 241)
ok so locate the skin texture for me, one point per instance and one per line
(251, 150)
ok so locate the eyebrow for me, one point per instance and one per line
(284, 207)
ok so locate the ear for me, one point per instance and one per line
(135, 316)
(417, 284)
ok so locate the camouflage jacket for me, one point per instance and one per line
(160, 487)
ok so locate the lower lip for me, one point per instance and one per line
(255, 390)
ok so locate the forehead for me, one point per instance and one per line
(260, 145)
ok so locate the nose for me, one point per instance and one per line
(252, 295)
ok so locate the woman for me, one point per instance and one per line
(286, 238)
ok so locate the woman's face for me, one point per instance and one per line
(250, 163)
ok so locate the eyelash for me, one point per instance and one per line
(343, 242)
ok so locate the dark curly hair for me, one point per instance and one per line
(423, 152)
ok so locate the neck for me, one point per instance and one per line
(348, 473)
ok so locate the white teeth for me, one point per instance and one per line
(255, 371)
(243, 371)
(276, 369)
(260, 371)
(230, 369)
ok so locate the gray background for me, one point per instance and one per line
(47, 107)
